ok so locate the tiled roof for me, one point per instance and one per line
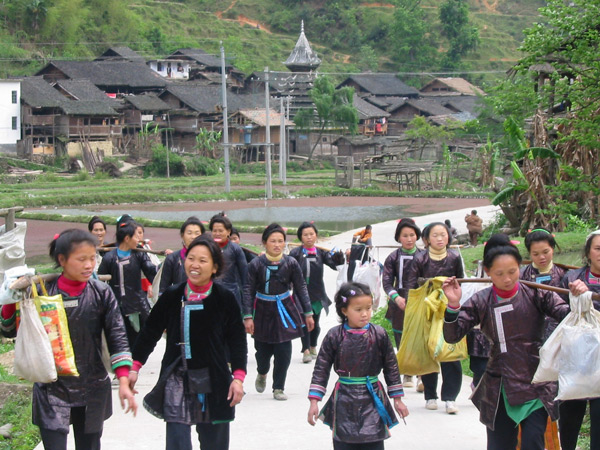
(384, 84)
(208, 99)
(37, 92)
(459, 85)
(82, 89)
(366, 110)
(259, 117)
(109, 73)
(147, 102)
(200, 56)
(120, 52)
(426, 105)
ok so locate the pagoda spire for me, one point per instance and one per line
(302, 58)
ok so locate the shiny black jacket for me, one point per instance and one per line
(126, 280)
(94, 311)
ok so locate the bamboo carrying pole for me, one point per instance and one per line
(531, 284)
(26, 281)
(562, 266)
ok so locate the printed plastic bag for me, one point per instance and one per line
(54, 318)
(582, 317)
(439, 349)
(34, 360)
(413, 355)
(369, 273)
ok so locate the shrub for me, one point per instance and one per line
(158, 164)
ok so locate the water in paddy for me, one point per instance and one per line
(326, 217)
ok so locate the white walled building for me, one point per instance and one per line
(10, 112)
(171, 68)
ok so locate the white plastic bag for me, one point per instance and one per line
(8, 295)
(342, 276)
(34, 360)
(369, 273)
(555, 359)
(12, 247)
(579, 362)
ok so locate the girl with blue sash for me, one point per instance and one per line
(359, 412)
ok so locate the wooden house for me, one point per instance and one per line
(406, 110)
(206, 67)
(120, 53)
(359, 147)
(193, 107)
(372, 121)
(52, 121)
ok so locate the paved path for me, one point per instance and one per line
(265, 424)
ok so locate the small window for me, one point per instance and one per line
(14, 97)
(159, 67)
(14, 122)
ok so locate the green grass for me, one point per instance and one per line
(16, 410)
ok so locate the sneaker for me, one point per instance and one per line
(313, 352)
(261, 383)
(306, 357)
(451, 408)
(407, 381)
(278, 394)
(431, 404)
(420, 385)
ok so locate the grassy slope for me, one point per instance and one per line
(500, 24)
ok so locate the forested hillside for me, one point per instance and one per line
(349, 35)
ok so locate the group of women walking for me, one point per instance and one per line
(212, 294)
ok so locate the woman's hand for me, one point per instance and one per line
(126, 394)
(452, 291)
(578, 287)
(133, 377)
(310, 323)
(249, 324)
(313, 412)
(236, 392)
(400, 302)
(400, 407)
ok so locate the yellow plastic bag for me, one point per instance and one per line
(413, 355)
(54, 318)
(439, 349)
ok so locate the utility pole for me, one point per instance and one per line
(225, 117)
(282, 149)
(167, 141)
(268, 137)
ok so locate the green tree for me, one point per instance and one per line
(367, 58)
(37, 11)
(421, 130)
(410, 33)
(333, 108)
(207, 142)
(462, 36)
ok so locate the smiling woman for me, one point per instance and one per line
(204, 365)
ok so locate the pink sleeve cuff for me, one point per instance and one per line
(136, 366)
(238, 374)
(8, 310)
(122, 371)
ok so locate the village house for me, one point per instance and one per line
(372, 121)
(450, 86)
(56, 124)
(248, 127)
(10, 115)
(368, 85)
(193, 107)
(171, 68)
(406, 110)
(204, 67)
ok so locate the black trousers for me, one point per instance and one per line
(309, 339)
(477, 364)
(211, 436)
(57, 440)
(338, 445)
(506, 431)
(398, 339)
(451, 382)
(282, 355)
(571, 417)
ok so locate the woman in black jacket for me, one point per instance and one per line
(196, 385)
(125, 266)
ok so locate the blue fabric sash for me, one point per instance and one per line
(379, 406)
(283, 313)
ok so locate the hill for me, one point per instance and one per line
(349, 35)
